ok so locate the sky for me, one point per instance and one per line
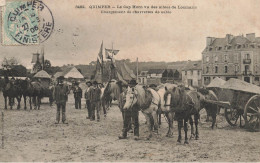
(181, 35)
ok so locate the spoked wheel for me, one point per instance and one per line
(234, 117)
(252, 113)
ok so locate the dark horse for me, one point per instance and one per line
(11, 90)
(185, 103)
(27, 91)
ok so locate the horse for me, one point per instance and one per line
(185, 103)
(37, 94)
(146, 100)
(211, 109)
(165, 107)
(12, 90)
(27, 91)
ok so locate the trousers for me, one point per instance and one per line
(129, 115)
(95, 107)
(61, 107)
(78, 103)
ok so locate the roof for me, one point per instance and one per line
(70, 72)
(42, 74)
(216, 83)
(156, 71)
(239, 85)
(193, 65)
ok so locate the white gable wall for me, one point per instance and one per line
(74, 73)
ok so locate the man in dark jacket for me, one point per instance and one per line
(60, 95)
(87, 97)
(77, 95)
(95, 94)
(128, 115)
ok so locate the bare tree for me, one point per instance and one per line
(9, 63)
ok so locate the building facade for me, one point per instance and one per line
(232, 57)
(191, 74)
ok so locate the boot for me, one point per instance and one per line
(124, 134)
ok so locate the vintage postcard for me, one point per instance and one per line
(129, 81)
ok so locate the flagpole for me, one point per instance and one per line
(137, 69)
(102, 64)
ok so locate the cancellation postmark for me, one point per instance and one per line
(26, 23)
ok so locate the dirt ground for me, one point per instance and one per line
(31, 135)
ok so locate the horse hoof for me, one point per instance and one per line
(197, 137)
(179, 140)
(186, 142)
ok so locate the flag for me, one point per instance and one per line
(110, 53)
(100, 54)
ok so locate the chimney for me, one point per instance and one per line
(250, 37)
(209, 41)
(229, 37)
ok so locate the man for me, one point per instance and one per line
(87, 97)
(95, 94)
(128, 115)
(77, 95)
(60, 95)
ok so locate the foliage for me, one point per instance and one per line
(9, 63)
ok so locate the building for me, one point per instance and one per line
(232, 57)
(142, 78)
(158, 76)
(70, 73)
(191, 74)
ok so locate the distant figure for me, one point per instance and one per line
(95, 101)
(77, 95)
(87, 97)
(60, 95)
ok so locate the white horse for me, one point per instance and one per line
(165, 107)
(146, 100)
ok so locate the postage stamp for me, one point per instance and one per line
(26, 23)
(2, 3)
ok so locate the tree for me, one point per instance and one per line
(47, 64)
(9, 63)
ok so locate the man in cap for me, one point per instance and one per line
(60, 95)
(128, 115)
(95, 94)
(87, 97)
(77, 95)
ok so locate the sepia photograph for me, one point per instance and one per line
(129, 81)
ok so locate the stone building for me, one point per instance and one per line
(191, 74)
(232, 57)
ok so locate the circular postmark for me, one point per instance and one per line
(29, 22)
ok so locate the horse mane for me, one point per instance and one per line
(113, 87)
(144, 97)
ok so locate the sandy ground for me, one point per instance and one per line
(31, 135)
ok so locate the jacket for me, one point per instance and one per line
(95, 94)
(77, 92)
(87, 93)
(60, 93)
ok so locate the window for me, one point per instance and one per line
(185, 72)
(210, 49)
(216, 58)
(207, 69)
(247, 56)
(191, 72)
(256, 78)
(198, 72)
(219, 48)
(238, 46)
(226, 69)
(229, 47)
(207, 58)
(225, 58)
(216, 69)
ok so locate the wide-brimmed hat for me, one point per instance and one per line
(132, 82)
(95, 82)
(89, 82)
(152, 85)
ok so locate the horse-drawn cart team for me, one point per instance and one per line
(176, 102)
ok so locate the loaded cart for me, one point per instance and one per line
(241, 101)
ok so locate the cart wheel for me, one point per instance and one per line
(234, 117)
(252, 113)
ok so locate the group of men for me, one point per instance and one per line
(92, 95)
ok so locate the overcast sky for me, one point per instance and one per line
(163, 37)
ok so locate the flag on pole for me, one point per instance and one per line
(100, 54)
(110, 53)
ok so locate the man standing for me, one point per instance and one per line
(87, 97)
(95, 94)
(60, 95)
(128, 115)
(77, 95)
